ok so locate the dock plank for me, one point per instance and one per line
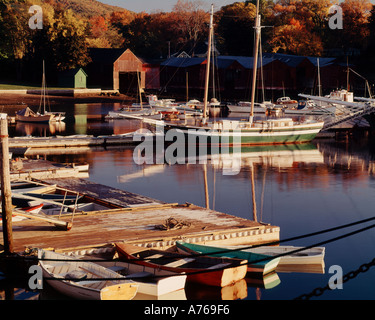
(117, 197)
(140, 227)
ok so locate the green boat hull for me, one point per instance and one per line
(253, 136)
(268, 263)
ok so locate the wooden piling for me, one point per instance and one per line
(6, 193)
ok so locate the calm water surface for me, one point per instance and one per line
(301, 189)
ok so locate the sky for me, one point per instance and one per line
(150, 6)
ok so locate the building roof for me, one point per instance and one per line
(183, 62)
(246, 62)
(294, 61)
(222, 62)
(105, 55)
(72, 72)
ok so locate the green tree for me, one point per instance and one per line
(14, 28)
(62, 41)
(235, 28)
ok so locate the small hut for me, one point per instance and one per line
(73, 78)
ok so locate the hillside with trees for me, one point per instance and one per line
(70, 27)
(87, 8)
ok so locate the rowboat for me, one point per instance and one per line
(151, 281)
(35, 189)
(268, 263)
(32, 210)
(211, 271)
(72, 278)
(297, 255)
(66, 199)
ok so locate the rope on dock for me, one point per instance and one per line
(173, 224)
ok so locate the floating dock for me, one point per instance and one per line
(42, 169)
(134, 219)
(71, 141)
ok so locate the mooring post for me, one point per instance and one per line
(6, 192)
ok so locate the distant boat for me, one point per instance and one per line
(125, 112)
(245, 107)
(268, 265)
(161, 104)
(198, 269)
(28, 115)
(286, 102)
(42, 116)
(61, 269)
(309, 107)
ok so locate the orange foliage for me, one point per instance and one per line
(98, 26)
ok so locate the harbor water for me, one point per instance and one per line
(302, 189)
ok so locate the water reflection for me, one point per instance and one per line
(39, 129)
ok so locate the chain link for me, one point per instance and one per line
(349, 276)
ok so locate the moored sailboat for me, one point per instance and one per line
(42, 116)
(249, 132)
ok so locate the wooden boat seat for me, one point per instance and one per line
(155, 256)
(179, 262)
(218, 266)
(140, 274)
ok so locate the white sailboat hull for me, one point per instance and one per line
(244, 109)
(35, 119)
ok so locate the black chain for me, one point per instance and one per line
(349, 276)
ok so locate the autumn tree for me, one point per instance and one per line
(235, 28)
(103, 33)
(300, 26)
(356, 15)
(294, 38)
(120, 18)
(62, 40)
(190, 22)
(14, 29)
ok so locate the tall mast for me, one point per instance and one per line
(43, 97)
(255, 64)
(208, 63)
(319, 84)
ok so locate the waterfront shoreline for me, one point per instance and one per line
(19, 99)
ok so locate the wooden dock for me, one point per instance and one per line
(42, 169)
(71, 141)
(136, 219)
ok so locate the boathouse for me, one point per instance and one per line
(304, 71)
(233, 74)
(121, 70)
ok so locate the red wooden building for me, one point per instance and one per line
(119, 69)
